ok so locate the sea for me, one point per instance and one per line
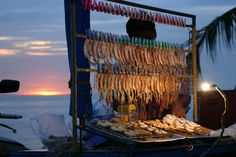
(31, 107)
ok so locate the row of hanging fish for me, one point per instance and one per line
(128, 57)
(135, 13)
(131, 89)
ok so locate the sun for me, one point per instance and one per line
(47, 93)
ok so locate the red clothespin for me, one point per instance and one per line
(94, 5)
(118, 10)
(146, 16)
(184, 24)
(139, 14)
(162, 18)
(90, 4)
(115, 9)
(176, 21)
(100, 7)
(166, 19)
(157, 18)
(142, 15)
(171, 20)
(150, 17)
(110, 9)
(179, 21)
(135, 13)
(128, 12)
(85, 3)
(106, 7)
(123, 11)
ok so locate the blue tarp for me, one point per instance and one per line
(82, 23)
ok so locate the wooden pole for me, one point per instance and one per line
(74, 77)
(195, 75)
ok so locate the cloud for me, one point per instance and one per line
(28, 44)
(46, 53)
(214, 9)
(39, 47)
(7, 52)
(42, 48)
(4, 38)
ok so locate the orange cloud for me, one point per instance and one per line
(7, 52)
(40, 47)
(28, 44)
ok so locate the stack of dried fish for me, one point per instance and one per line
(130, 88)
(159, 128)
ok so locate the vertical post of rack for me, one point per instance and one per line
(74, 77)
(194, 59)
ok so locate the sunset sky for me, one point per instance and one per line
(33, 44)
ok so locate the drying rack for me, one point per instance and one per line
(75, 70)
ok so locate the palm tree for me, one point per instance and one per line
(220, 32)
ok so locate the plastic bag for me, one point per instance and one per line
(51, 129)
(229, 131)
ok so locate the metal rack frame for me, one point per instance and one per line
(75, 70)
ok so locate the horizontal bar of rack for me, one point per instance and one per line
(152, 8)
(94, 70)
(85, 70)
(85, 37)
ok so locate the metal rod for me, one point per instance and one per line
(222, 121)
(74, 77)
(94, 70)
(195, 75)
(86, 37)
(152, 8)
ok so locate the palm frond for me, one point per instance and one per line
(220, 31)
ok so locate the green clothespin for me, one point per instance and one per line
(140, 42)
(161, 45)
(165, 45)
(132, 41)
(136, 41)
(147, 42)
(144, 43)
(157, 44)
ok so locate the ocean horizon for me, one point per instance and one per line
(30, 107)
